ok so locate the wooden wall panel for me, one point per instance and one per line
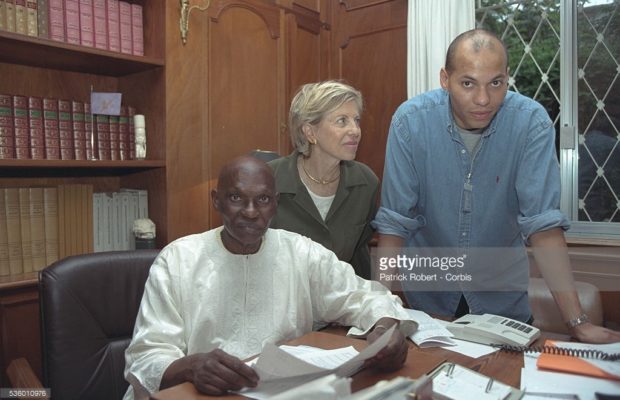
(244, 84)
(186, 125)
(20, 329)
(370, 53)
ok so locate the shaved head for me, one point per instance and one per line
(245, 165)
(473, 41)
(247, 200)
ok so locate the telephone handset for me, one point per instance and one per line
(493, 329)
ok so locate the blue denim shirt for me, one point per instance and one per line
(436, 194)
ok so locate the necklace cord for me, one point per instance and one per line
(319, 181)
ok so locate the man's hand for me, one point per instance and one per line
(213, 373)
(393, 356)
(589, 333)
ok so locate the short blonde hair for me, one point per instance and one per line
(312, 102)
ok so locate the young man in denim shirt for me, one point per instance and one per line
(472, 166)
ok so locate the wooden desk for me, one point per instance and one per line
(502, 366)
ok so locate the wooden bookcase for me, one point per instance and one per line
(39, 67)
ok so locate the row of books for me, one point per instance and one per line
(104, 24)
(113, 216)
(39, 225)
(57, 129)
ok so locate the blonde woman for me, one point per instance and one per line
(324, 193)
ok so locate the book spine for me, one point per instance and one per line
(90, 134)
(131, 111)
(32, 18)
(87, 37)
(100, 24)
(123, 134)
(65, 130)
(62, 253)
(35, 122)
(57, 20)
(14, 235)
(21, 17)
(5, 268)
(50, 212)
(72, 21)
(143, 203)
(50, 129)
(137, 30)
(24, 223)
(37, 228)
(113, 18)
(10, 15)
(114, 137)
(7, 127)
(125, 26)
(88, 217)
(43, 18)
(79, 129)
(102, 128)
(2, 17)
(20, 121)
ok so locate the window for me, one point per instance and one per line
(579, 87)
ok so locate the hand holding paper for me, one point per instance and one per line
(393, 355)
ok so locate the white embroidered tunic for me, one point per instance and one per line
(200, 297)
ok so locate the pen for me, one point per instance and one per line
(554, 395)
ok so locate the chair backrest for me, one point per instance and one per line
(264, 155)
(89, 305)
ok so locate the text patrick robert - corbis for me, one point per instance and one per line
(423, 268)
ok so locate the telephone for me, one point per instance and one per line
(493, 329)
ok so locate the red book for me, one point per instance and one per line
(113, 18)
(125, 26)
(20, 125)
(57, 20)
(123, 134)
(72, 21)
(114, 138)
(65, 129)
(132, 133)
(87, 37)
(7, 136)
(137, 30)
(79, 129)
(100, 24)
(35, 122)
(88, 127)
(50, 129)
(102, 129)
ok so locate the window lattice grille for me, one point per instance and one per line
(531, 31)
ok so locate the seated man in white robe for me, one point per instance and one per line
(215, 298)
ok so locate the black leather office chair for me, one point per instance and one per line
(264, 155)
(89, 305)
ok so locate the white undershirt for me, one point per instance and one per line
(322, 203)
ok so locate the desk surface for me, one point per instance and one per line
(502, 366)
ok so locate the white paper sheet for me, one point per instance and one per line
(280, 371)
(536, 381)
(430, 332)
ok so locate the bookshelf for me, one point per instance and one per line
(32, 66)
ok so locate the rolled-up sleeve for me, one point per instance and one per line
(400, 185)
(538, 182)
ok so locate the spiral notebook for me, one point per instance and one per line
(573, 363)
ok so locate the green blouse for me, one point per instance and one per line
(346, 229)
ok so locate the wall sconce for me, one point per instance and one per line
(186, 9)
